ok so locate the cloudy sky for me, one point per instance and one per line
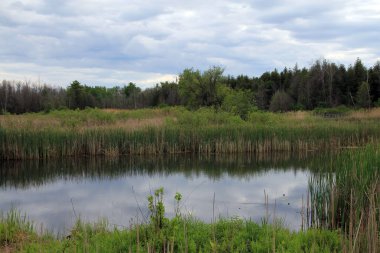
(113, 42)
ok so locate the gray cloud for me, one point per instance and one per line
(155, 39)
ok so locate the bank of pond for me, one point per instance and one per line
(95, 132)
(179, 234)
(339, 213)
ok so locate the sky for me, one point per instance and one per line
(114, 42)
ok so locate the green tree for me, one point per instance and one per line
(211, 79)
(363, 98)
(131, 91)
(355, 76)
(200, 89)
(169, 93)
(190, 88)
(275, 77)
(374, 81)
(243, 82)
(75, 95)
(264, 94)
(298, 89)
(281, 102)
(238, 102)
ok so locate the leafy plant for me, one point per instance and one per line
(157, 208)
(178, 198)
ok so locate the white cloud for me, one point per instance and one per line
(111, 42)
(63, 76)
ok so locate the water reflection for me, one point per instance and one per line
(50, 191)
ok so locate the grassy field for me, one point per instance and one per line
(176, 130)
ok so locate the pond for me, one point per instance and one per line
(56, 192)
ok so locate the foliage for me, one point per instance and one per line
(131, 91)
(238, 102)
(324, 84)
(363, 98)
(281, 102)
(181, 234)
(75, 94)
(177, 198)
(199, 89)
(190, 88)
(157, 208)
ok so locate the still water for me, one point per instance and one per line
(55, 193)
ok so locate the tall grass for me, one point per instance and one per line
(14, 229)
(350, 199)
(179, 234)
(178, 131)
(49, 143)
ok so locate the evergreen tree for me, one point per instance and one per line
(75, 95)
(363, 98)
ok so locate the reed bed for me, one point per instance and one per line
(349, 199)
(53, 143)
(175, 130)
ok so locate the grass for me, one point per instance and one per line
(349, 199)
(179, 234)
(175, 130)
(78, 120)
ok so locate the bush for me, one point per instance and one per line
(239, 103)
(281, 102)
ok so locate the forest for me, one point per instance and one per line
(323, 85)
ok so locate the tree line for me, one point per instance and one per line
(323, 84)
